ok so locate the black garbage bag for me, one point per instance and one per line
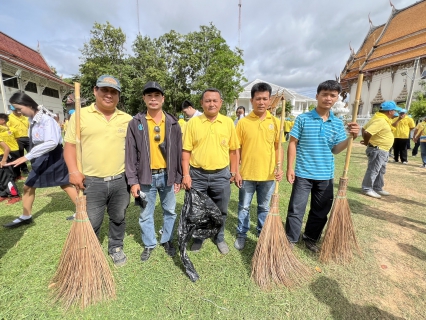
(201, 219)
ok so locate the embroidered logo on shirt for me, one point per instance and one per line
(121, 130)
(140, 127)
(271, 127)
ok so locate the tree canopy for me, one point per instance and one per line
(184, 65)
(418, 105)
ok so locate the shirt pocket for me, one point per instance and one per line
(224, 142)
(121, 131)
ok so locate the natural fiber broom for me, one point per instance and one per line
(340, 238)
(83, 276)
(273, 260)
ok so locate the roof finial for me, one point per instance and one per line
(391, 4)
(371, 22)
(351, 49)
(38, 46)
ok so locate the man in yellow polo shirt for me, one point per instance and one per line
(403, 125)
(210, 145)
(153, 164)
(10, 136)
(378, 138)
(20, 123)
(259, 136)
(103, 133)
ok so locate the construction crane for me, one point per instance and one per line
(239, 24)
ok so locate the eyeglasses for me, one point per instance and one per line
(157, 137)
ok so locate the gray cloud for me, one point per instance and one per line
(292, 44)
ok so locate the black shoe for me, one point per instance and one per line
(196, 245)
(146, 253)
(21, 222)
(70, 218)
(311, 245)
(168, 247)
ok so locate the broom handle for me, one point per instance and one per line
(354, 116)
(77, 128)
(280, 145)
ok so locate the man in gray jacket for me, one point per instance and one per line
(153, 164)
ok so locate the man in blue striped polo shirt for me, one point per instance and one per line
(315, 138)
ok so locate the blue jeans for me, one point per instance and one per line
(168, 203)
(321, 192)
(376, 169)
(264, 190)
(115, 197)
(423, 151)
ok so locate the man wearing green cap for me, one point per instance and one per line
(378, 138)
(103, 134)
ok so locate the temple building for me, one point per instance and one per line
(25, 69)
(392, 58)
(299, 102)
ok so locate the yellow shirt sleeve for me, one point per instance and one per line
(234, 143)
(188, 135)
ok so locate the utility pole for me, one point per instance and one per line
(239, 24)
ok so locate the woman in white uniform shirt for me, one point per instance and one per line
(46, 155)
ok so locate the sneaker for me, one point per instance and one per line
(240, 242)
(422, 166)
(146, 253)
(392, 160)
(405, 162)
(373, 194)
(196, 245)
(13, 200)
(118, 257)
(311, 245)
(382, 192)
(223, 247)
(168, 247)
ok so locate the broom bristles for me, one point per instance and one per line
(83, 276)
(340, 238)
(273, 260)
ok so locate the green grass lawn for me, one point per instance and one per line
(387, 282)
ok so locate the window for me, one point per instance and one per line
(51, 92)
(31, 87)
(13, 83)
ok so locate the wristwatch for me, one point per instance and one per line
(233, 174)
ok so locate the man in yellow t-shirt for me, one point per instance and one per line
(259, 136)
(378, 138)
(419, 137)
(103, 132)
(153, 165)
(417, 130)
(210, 145)
(403, 125)
(20, 123)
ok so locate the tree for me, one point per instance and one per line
(288, 108)
(418, 106)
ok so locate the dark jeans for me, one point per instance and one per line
(24, 144)
(115, 197)
(217, 187)
(321, 192)
(400, 149)
(416, 148)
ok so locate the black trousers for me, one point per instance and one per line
(24, 144)
(321, 192)
(400, 149)
(416, 148)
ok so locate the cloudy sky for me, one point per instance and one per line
(292, 44)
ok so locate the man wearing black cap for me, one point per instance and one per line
(103, 133)
(189, 111)
(153, 164)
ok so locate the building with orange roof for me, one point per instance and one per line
(25, 69)
(387, 58)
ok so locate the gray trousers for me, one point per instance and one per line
(377, 160)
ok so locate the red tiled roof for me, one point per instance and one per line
(396, 58)
(19, 54)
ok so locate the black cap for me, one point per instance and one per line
(152, 86)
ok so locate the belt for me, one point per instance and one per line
(207, 171)
(371, 146)
(157, 171)
(111, 178)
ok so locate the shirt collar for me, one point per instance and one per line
(253, 115)
(315, 115)
(163, 117)
(204, 118)
(92, 108)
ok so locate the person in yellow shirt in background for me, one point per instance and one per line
(259, 136)
(288, 124)
(403, 125)
(417, 130)
(20, 123)
(182, 123)
(9, 151)
(420, 137)
(210, 145)
(378, 138)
